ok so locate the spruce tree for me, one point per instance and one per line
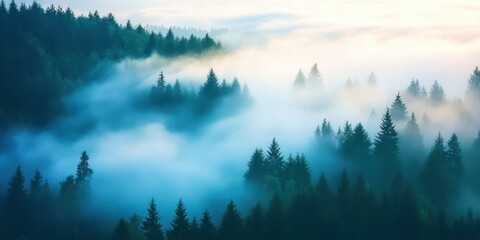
(231, 226)
(275, 219)
(347, 145)
(474, 85)
(84, 173)
(398, 109)
(274, 162)
(151, 226)
(314, 77)
(36, 184)
(256, 168)
(343, 196)
(207, 230)
(180, 224)
(414, 90)
(210, 89)
(361, 143)
(299, 80)
(437, 96)
(453, 156)
(15, 206)
(386, 142)
(194, 230)
(121, 231)
(255, 223)
(413, 139)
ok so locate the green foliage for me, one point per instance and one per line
(207, 229)
(437, 96)
(231, 226)
(151, 226)
(274, 162)
(398, 109)
(256, 172)
(385, 150)
(180, 224)
(46, 54)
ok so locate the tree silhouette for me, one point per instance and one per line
(180, 224)
(231, 226)
(398, 109)
(151, 226)
(299, 80)
(256, 168)
(255, 223)
(437, 96)
(121, 231)
(274, 162)
(207, 230)
(386, 145)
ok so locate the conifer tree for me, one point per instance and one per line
(180, 224)
(15, 204)
(414, 90)
(299, 80)
(274, 162)
(413, 139)
(36, 184)
(398, 109)
(343, 196)
(207, 230)
(314, 77)
(194, 230)
(151, 226)
(121, 231)
(473, 91)
(255, 223)
(84, 173)
(275, 219)
(256, 168)
(231, 226)
(386, 142)
(437, 96)
(210, 89)
(453, 156)
(361, 143)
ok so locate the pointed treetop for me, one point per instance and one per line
(398, 109)
(299, 80)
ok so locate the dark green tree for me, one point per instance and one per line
(274, 163)
(231, 225)
(194, 230)
(275, 219)
(255, 223)
(256, 168)
(385, 150)
(84, 173)
(36, 185)
(361, 143)
(453, 156)
(398, 109)
(121, 231)
(180, 224)
(207, 229)
(151, 226)
(15, 206)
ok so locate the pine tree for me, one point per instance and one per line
(121, 231)
(135, 227)
(151, 226)
(414, 90)
(194, 230)
(398, 109)
(15, 204)
(361, 143)
(474, 84)
(299, 80)
(36, 185)
(207, 230)
(434, 175)
(437, 96)
(347, 145)
(210, 89)
(323, 191)
(274, 162)
(343, 196)
(84, 173)
(275, 219)
(314, 77)
(256, 168)
(413, 139)
(386, 142)
(231, 226)
(180, 224)
(255, 223)
(453, 156)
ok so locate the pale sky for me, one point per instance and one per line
(430, 39)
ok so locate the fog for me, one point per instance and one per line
(136, 156)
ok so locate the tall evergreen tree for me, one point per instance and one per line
(210, 89)
(255, 223)
(413, 139)
(151, 225)
(36, 184)
(274, 162)
(474, 85)
(84, 173)
(15, 206)
(314, 77)
(414, 90)
(121, 231)
(299, 80)
(231, 226)
(453, 156)
(347, 145)
(398, 109)
(275, 219)
(256, 168)
(437, 96)
(180, 224)
(386, 143)
(361, 143)
(343, 197)
(207, 230)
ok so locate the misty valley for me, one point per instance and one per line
(110, 129)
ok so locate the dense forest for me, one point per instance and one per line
(48, 53)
